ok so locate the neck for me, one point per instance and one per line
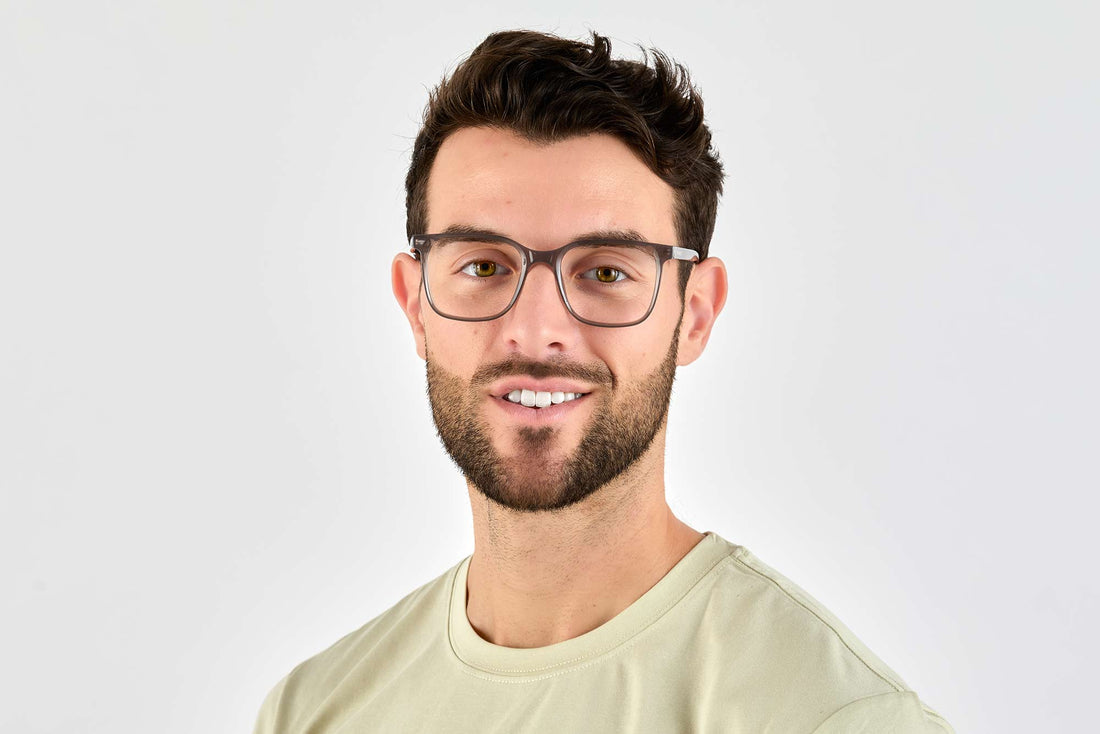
(540, 578)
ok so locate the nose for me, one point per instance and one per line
(538, 326)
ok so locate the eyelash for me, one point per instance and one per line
(474, 263)
(621, 274)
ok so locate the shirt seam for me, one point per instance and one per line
(935, 717)
(890, 681)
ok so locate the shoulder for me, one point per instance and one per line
(397, 632)
(780, 606)
(799, 651)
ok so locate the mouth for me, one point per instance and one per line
(540, 408)
(539, 393)
(539, 399)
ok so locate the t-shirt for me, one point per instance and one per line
(722, 643)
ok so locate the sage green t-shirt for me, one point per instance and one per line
(722, 643)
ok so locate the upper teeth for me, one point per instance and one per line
(533, 399)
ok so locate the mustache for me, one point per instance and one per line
(598, 374)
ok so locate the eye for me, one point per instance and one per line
(604, 274)
(484, 269)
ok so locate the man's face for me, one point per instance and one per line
(545, 196)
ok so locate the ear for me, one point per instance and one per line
(405, 277)
(703, 301)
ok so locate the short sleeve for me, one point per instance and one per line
(899, 712)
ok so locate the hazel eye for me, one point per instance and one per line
(604, 274)
(483, 268)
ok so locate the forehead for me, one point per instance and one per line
(546, 194)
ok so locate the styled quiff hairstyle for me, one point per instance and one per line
(547, 89)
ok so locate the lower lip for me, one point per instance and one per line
(540, 416)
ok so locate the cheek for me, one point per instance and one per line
(456, 345)
(635, 352)
(627, 352)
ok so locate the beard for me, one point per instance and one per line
(621, 430)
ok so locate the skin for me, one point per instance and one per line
(540, 577)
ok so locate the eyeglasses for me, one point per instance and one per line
(602, 282)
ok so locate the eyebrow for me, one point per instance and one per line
(598, 234)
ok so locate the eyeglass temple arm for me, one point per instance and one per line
(683, 253)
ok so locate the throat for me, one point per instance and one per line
(536, 579)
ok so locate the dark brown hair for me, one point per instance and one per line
(546, 89)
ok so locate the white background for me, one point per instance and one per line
(216, 456)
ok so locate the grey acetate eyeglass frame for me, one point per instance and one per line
(420, 244)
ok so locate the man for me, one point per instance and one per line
(560, 207)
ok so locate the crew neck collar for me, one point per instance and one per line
(542, 662)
